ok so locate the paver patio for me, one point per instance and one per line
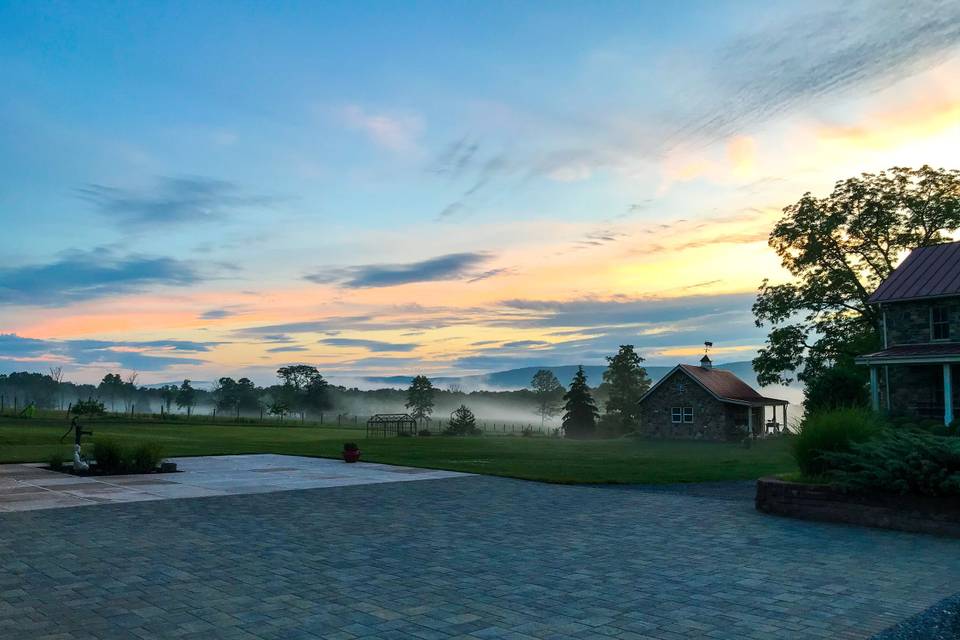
(468, 557)
(26, 487)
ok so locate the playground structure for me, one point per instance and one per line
(383, 425)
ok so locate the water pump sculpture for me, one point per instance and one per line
(79, 464)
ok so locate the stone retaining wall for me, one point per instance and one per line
(919, 514)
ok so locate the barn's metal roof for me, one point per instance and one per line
(927, 272)
(723, 385)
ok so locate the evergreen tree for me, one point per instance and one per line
(547, 391)
(420, 398)
(463, 423)
(580, 417)
(627, 380)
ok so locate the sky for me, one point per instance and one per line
(200, 189)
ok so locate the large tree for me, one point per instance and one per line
(580, 417)
(186, 397)
(547, 391)
(303, 388)
(838, 250)
(627, 380)
(420, 398)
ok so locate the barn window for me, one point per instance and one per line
(676, 414)
(688, 414)
(940, 323)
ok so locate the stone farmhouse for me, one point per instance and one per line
(700, 402)
(919, 307)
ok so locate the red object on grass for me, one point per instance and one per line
(351, 455)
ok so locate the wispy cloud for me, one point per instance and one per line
(396, 132)
(150, 355)
(171, 200)
(453, 266)
(81, 275)
(369, 345)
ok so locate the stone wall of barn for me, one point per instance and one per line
(712, 419)
(909, 322)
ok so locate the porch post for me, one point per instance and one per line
(947, 395)
(784, 418)
(874, 389)
(749, 421)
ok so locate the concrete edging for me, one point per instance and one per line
(917, 514)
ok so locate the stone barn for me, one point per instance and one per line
(703, 403)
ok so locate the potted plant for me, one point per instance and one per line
(351, 452)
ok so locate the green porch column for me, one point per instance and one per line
(947, 395)
(874, 389)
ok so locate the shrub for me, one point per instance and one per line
(832, 431)
(528, 432)
(350, 446)
(900, 461)
(145, 457)
(424, 432)
(840, 387)
(56, 461)
(109, 456)
(88, 407)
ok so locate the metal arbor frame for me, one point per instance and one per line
(391, 424)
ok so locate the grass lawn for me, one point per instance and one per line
(547, 459)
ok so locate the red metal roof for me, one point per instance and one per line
(726, 385)
(927, 272)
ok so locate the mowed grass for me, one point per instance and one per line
(544, 459)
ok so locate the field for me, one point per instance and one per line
(537, 458)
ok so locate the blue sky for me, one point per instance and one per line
(436, 187)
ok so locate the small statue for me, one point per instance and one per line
(79, 464)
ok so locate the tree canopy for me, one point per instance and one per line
(580, 417)
(547, 392)
(838, 250)
(420, 398)
(186, 397)
(627, 380)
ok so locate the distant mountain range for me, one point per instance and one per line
(520, 378)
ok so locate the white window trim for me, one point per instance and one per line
(685, 410)
(676, 415)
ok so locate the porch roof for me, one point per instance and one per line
(914, 354)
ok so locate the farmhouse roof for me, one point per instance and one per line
(914, 353)
(928, 272)
(723, 385)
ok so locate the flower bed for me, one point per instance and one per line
(918, 514)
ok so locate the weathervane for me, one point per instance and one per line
(706, 347)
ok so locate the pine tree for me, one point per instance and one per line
(463, 422)
(628, 381)
(580, 417)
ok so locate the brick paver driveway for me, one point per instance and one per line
(470, 557)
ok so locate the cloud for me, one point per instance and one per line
(217, 314)
(637, 312)
(452, 266)
(81, 275)
(524, 344)
(795, 60)
(171, 200)
(395, 132)
(456, 158)
(139, 355)
(370, 345)
(290, 348)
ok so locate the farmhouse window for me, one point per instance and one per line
(940, 323)
(676, 414)
(688, 414)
